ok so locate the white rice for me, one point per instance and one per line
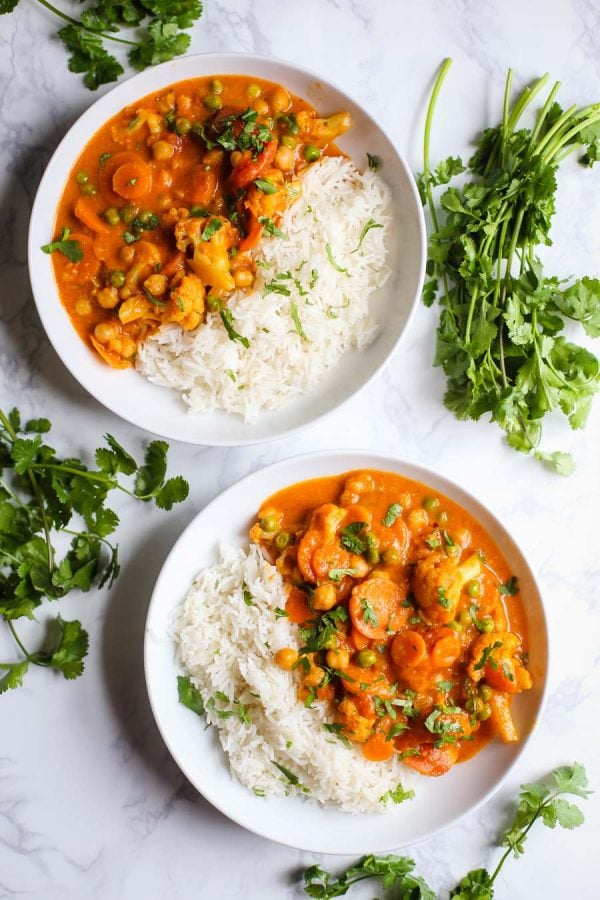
(228, 646)
(213, 372)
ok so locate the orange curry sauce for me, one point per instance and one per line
(168, 198)
(410, 622)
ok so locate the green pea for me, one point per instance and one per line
(88, 190)
(454, 625)
(486, 624)
(484, 712)
(470, 704)
(216, 86)
(443, 517)
(117, 278)
(82, 178)
(146, 217)
(112, 216)
(182, 126)
(485, 691)
(391, 557)
(288, 141)
(331, 643)
(269, 523)
(465, 618)
(373, 556)
(366, 658)
(311, 153)
(213, 102)
(282, 540)
(474, 588)
(254, 91)
(431, 504)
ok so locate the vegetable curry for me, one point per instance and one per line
(164, 205)
(410, 623)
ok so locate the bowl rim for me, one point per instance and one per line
(448, 486)
(38, 274)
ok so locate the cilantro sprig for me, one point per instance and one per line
(41, 498)
(159, 35)
(543, 800)
(499, 335)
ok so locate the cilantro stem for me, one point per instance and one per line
(78, 24)
(18, 640)
(426, 142)
(543, 113)
(523, 102)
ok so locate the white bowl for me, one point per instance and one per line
(159, 409)
(299, 823)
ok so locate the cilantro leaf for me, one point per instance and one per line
(88, 55)
(183, 12)
(364, 232)
(14, 674)
(232, 334)
(163, 42)
(397, 795)
(270, 228)
(71, 648)
(511, 587)
(393, 871)
(296, 320)
(266, 186)
(175, 490)
(68, 247)
(393, 512)
(476, 885)
(189, 695)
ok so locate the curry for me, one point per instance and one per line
(410, 622)
(164, 205)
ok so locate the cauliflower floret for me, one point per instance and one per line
(356, 727)
(437, 582)
(146, 259)
(186, 303)
(324, 131)
(128, 135)
(270, 205)
(207, 243)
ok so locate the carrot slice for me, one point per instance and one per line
(254, 232)
(132, 180)
(432, 760)
(446, 651)
(371, 606)
(203, 186)
(408, 649)
(358, 640)
(248, 169)
(377, 749)
(297, 606)
(87, 215)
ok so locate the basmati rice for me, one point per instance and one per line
(227, 632)
(309, 306)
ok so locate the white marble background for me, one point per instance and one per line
(91, 804)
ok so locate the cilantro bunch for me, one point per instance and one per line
(540, 801)
(499, 337)
(41, 498)
(161, 38)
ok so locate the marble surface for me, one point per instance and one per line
(91, 805)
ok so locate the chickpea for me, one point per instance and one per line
(286, 658)
(116, 345)
(253, 91)
(193, 320)
(235, 158)
(284, 159)
(127, 254)
(106, 331)
(417, 520)
(164, 202)
(324, 597)
(156, 284)
(162, 150)
(391, 557)
(125, 293)
(338, 659)
(262, 107)
(83, 307)
(280, 100)
(314, 677)
(183, 104)
(243, 278)
(213, 157)
(108, 297)
(128, 347)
